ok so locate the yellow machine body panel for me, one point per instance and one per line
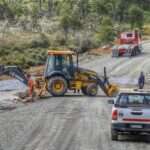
(112, 90)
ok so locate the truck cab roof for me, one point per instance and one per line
(131, 90)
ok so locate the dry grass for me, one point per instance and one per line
(100, 51)
(38, 70)
(3, 77)
(146, 30)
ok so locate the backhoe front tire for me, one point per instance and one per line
(57, 86)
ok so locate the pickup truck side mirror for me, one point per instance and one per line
(111, 101)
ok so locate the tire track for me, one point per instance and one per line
(33, 129)
(60, 122)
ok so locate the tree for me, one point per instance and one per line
(136, 17)
(105, 32)
(70, 17)
(65, 20)
(84, 7)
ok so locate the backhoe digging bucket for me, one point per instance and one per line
(108, 89)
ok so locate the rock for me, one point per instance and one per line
(22, 95)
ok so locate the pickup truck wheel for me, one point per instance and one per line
(114, 135)
(57, 86)
(138, 50)
(133, 52)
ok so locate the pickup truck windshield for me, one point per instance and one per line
(134, 99)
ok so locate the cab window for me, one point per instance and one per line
(133, 99)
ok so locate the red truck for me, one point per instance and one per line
(129, 44)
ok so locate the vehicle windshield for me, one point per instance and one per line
(129, 35)
(134, 99)
(57, 62)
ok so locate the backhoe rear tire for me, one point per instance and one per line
(92, 89)
(57, 86)
(84, 90)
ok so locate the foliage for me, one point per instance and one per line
(24, 52)
(106, 32)
(136, 17)
(40, 41)
(81, 24)
(70, 17)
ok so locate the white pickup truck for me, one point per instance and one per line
(131, 113)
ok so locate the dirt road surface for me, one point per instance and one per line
(73, 122)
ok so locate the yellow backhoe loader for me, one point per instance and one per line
(61, 74)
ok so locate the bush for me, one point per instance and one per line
(82, 41)
(6, 12)
(40, 41)
(20, 53)
(57, 39)
(105, 32)
(19, 46)
(85, 44)
(146, 30)
(146, 17)
(136, 16)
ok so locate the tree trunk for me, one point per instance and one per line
(50, 7)
(40, 4)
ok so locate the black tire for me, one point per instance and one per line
(92, 89)
(84, 89)
(133, 52)
(114, 135)
(138, 50)
(115, 53)
(53, 90)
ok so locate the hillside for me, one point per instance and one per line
(28, 27)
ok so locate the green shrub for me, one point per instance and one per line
(40, 41)
(147, 17)
(146, 30)
(136, 16)
(105, 32)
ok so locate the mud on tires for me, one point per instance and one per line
(92, 89)
(57, 86)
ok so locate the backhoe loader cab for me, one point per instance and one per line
(60, 63)
(62, 74)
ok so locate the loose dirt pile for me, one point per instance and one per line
(101, 51)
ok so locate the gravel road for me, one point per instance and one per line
(74, 122)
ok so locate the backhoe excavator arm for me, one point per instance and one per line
(14, 72)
